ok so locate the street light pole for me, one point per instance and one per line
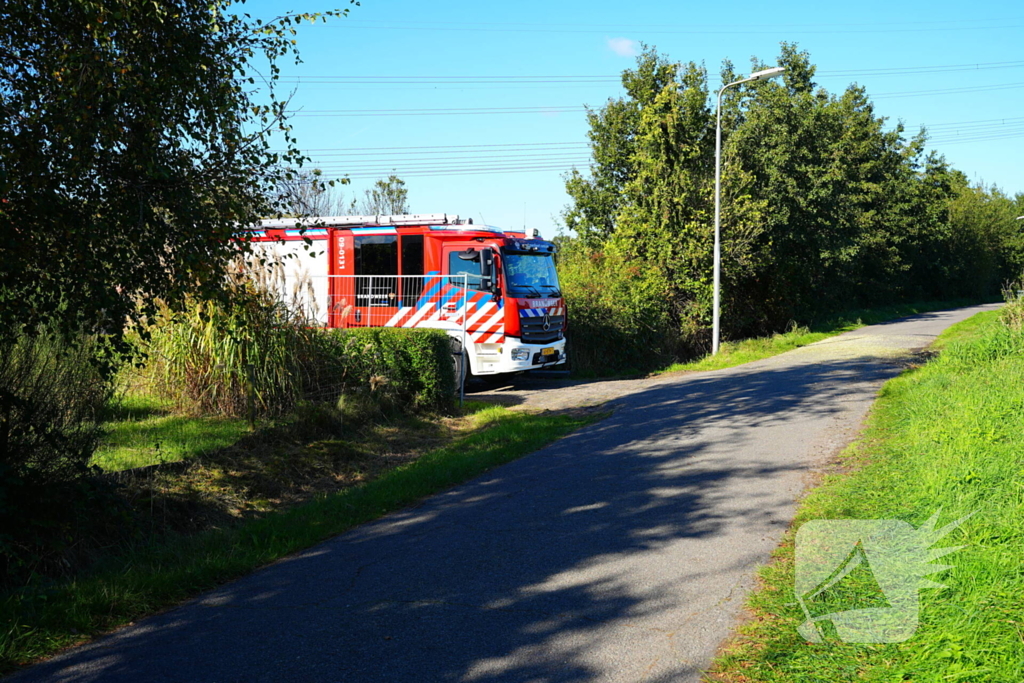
(756, 76)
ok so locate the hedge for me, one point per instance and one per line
(400, 368)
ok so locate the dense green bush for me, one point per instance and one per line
(619, 317)
(51, 394)
(397, 367)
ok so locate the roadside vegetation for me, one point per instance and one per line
(826, 207)
(140, 430)
(944, 438)
(735, 353)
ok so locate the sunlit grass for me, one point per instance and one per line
(946, 437)
(733, 353)
(142, 431)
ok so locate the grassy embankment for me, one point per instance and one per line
(734, 353)
(946, 437)
(39, 620)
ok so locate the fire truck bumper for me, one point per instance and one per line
(515, 356)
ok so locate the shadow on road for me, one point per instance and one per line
(588, 560)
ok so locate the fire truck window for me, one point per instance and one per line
(376, 255)
(412, 264)
(459, 266)
(412, 255)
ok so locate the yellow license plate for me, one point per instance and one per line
(547, 352)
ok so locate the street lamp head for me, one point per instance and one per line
(768, 73)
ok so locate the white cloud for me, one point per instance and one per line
(624, 47)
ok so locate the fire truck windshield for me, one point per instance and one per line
(530, 275)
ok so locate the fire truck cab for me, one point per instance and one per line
(494, 291)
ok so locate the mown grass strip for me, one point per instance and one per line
(37, 622)
(946, 437)
(735, 353)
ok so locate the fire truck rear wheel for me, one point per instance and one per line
(458, 362)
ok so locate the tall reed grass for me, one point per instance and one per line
(246, 354)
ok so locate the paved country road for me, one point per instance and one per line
(622, 552)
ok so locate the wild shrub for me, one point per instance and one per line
(51, 395)
(252, 355)
(619, 313)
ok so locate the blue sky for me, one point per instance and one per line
(500, 87)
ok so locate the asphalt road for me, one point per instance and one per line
(620, 553)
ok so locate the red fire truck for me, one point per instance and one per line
(495, 291)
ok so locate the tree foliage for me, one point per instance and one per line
(825, 206)
(136, 138)
(387, 197)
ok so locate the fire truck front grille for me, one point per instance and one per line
(534, 332)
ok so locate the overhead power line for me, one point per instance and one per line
(690, 29)
(474, 171)
(948, 91)
(989, 122)
(603, 78)
(621, 26)
(453, 162)
(914, 70)
(335, 157)
(448, 160)
(458, 157)
(455, 111)
(560, 109)
(550, 82)
(400, 169)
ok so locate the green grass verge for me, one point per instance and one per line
(945, 437)
(734, 353)
(141, 431)
(38, 621)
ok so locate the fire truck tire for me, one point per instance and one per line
(458, 363)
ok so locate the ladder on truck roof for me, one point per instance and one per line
(341, 221)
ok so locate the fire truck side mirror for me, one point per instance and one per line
(487, 280)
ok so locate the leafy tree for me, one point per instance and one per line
(135, 141)
(825, 205)
(387, 197)
(649, 197)
(613, 130)
(986, 237)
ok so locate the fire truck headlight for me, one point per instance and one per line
(520, 354)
